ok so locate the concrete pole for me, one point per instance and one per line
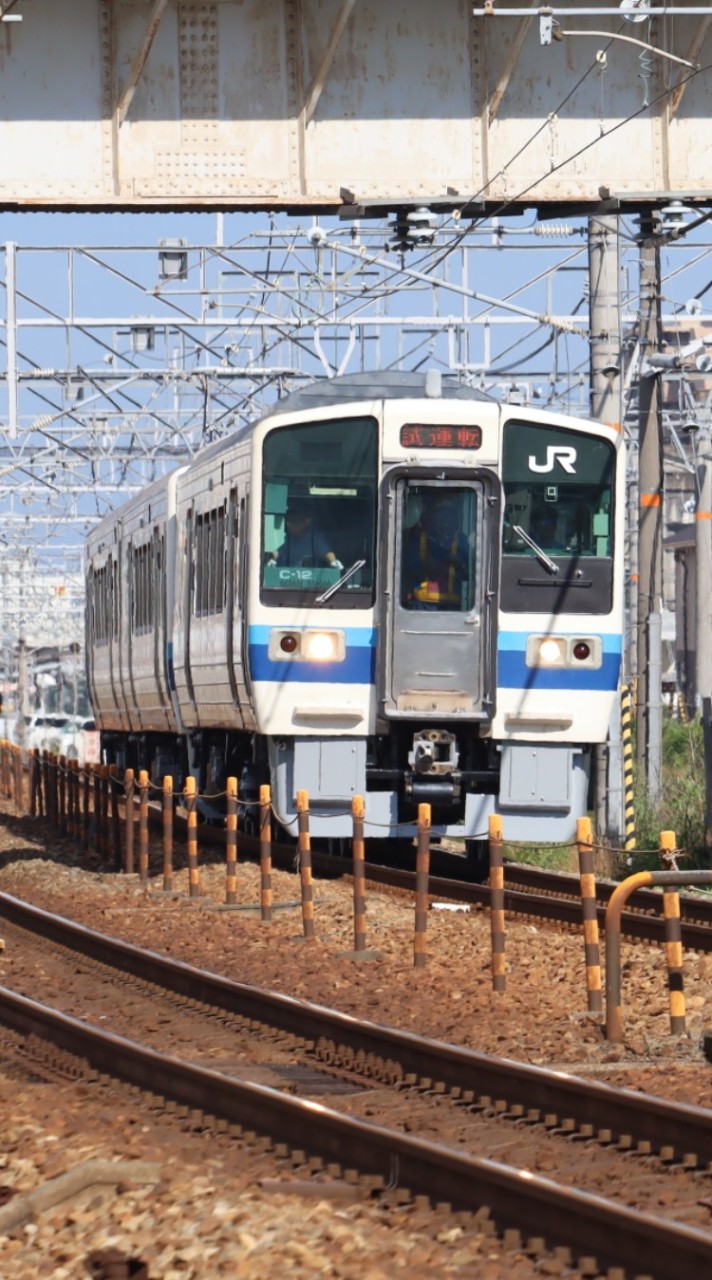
(703, 548)
(703, 618)
(11, 337)
(650, 485)
(606, 406)
(22, 694)
(604, 319)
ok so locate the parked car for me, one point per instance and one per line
(77, 740)
(40, 729)
(46, 733)
(8, 726)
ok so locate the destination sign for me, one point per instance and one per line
(436, 435)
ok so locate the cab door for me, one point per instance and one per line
(439, 601)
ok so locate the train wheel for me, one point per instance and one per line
(477, 860)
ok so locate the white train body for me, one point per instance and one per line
(474, 673)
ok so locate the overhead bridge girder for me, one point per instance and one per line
(284, 103)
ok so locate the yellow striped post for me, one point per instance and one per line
(627, 740)
(35, 785)
(305, 863)
(98, 825)
(358, 812)
(129, 786)
(62, 788)
(192, 838)
(422, 877)
(78, 825)
(85, 805)
(114, 802)
(69, 783)
(496, 884)
(266, 852)
(231, 843)
(167, 834)
(49, 813)
(105, 801)
(673, 945)
(143, 826)
(587, 881)
(20, 779)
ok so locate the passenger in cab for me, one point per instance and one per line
(305, 545)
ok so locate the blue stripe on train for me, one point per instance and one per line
(358, 667)
(359, 664)
(513, 672)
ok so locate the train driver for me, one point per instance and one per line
(436, 555)
(305, 545)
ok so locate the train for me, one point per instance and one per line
(391, 585)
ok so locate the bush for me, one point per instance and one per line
(681, 804)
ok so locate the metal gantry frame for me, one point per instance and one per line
(117, 363)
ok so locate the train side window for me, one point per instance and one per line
(101, 591)
(210, 554)
(142, 593)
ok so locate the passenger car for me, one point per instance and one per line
(77, 740)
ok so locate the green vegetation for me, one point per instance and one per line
(548, 857)
(681, 804)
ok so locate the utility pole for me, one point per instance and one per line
(650, 489)
(22, 699)
(606, 406)
(703, 621)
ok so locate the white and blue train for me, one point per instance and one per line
(391, 585)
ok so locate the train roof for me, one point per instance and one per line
(377, 385)
(323, 392)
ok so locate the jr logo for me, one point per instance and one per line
(562, 454)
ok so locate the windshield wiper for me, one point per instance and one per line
(541, 556)
(357, 564)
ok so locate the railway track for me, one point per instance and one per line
(442, 1075)
(528, 892)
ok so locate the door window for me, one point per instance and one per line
(438, 548)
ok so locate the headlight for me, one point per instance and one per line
(307, 646)
(546, 651)
(321, 646)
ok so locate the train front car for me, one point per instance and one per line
(561, 614)
(418, 630)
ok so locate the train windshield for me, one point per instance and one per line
(319, 512)
(558, 519)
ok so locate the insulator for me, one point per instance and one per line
(554, 229)
(415, 228)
